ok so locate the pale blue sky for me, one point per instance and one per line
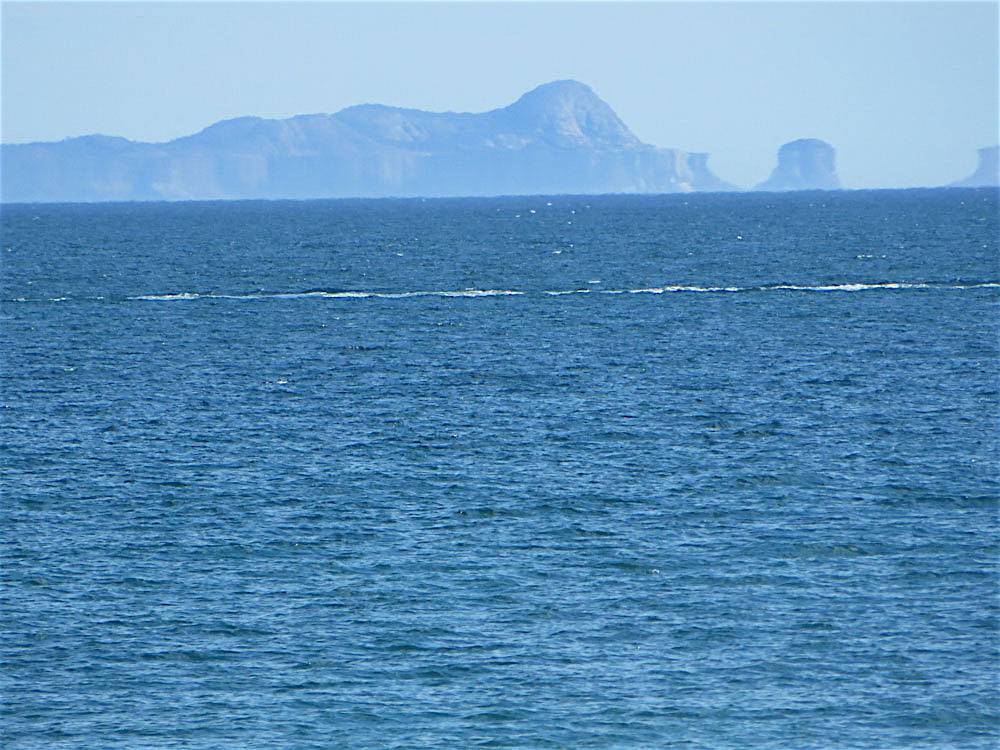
(905, 91)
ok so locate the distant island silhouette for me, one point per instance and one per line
(805, 164)
(987, 172)
(558, 138)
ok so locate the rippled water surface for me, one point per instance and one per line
(566, 472)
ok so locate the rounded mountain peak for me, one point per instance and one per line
(566, 88)
(569, 113)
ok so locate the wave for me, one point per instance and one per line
(853, 287)
(168, 297)
(678, 288)
(329, 295)
(667, 289)
(845, 287)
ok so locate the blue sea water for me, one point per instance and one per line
(704, 471)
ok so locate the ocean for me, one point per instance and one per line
(691, 471)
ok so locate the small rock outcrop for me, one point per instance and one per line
(805, 164)
(987, 174)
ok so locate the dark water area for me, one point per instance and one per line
(703, 471)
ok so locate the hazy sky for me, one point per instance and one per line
(905, 91)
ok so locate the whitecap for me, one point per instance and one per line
(473, 292)
(292, 295)
(399, 295)
(681, 288)
(167, 297)
(847, 287)
(344, 295)
(480, 293)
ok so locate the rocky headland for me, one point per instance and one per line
(558, 138)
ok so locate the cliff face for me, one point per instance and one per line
(805, 164)
(987, 173)
(558, 138)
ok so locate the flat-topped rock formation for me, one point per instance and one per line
(805, 164)
(987, 172)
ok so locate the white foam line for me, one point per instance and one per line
(480, 293)
(167, 297)
(677, 288)
(341, 295)
(459, 293)
(847, 287)
(852, 287)
(295, 295)
(330, 295)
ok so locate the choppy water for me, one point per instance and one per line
(693, 471)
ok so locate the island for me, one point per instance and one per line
(558, 138)
(805, 164)
(987, 172)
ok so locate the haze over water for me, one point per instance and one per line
(906, 92)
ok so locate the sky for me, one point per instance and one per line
(906, 92)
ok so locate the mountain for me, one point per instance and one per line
(805, 164)
(987, 173)
(558, 138)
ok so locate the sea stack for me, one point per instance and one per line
(987, 174)
(805, 164)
